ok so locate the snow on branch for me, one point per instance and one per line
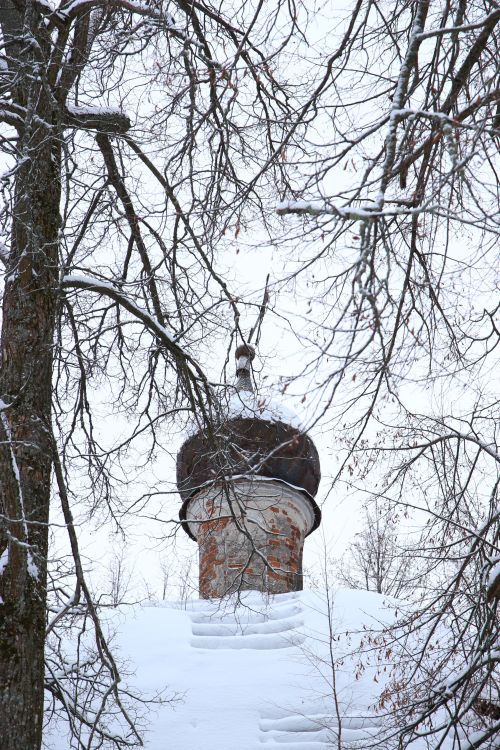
(15, 115)
(108, 119)
(165, 337)
(316, 209)
(477, 739)
(77, 7)
(493, 16)
(493, 583)
(399, 97)
(349, 214)
(490, 449)
(108, 290)
(10, 118)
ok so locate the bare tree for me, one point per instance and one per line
(379, 559)
(109, 239)
(399, 201)
(120, 578)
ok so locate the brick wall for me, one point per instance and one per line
(250, 535)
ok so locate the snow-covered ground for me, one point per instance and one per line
(255, 674)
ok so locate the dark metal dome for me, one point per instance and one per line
(249, 446)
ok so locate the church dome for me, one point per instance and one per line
(255, 437)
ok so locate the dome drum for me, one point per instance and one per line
(250, 536)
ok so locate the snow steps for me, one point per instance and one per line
(275, 627)
(296, 732)
(316, 732)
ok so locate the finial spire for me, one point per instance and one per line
(244, 356)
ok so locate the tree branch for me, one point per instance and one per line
(105, 119)
(164, 337)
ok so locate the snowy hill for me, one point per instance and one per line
(255, 673)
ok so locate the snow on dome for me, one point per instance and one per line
(250, 405)
(241, 401)
(247, 405)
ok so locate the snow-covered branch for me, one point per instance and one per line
(78, 7)
(108, 290)
(471, 438)
(493, 583)
(107, 119)
(399, 97)
(312, 208)
(165, 337)
(493, 16)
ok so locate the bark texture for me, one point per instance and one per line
(25, 389)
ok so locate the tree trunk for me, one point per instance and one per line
(29, 305)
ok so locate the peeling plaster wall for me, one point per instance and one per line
(250, 535)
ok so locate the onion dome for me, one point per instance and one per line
(255, 437)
